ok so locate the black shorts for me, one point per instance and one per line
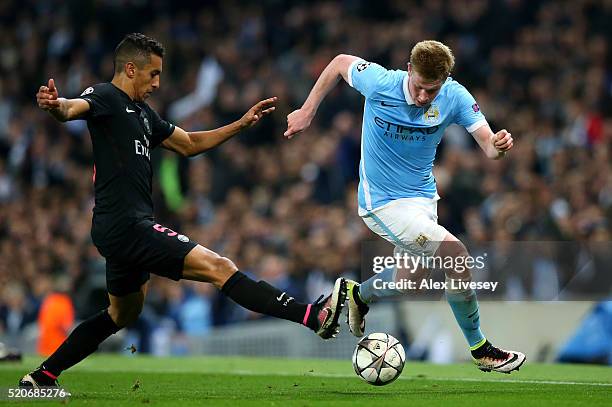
(148, 247)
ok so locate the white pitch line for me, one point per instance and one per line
(347, 376)
(468, 379)
(472, 379)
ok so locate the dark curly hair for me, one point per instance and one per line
(137, 48)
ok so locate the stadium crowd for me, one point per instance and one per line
(285, 210)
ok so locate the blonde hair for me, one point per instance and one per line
(432, 60)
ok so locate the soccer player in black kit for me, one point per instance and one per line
(124, 130)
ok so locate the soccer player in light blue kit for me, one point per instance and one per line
(405, 116)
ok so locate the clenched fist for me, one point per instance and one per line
(502, 141)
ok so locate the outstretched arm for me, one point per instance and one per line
(195, 142)
(62, 109)
(299, 120)
(494, 145)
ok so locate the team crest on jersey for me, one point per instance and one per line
(147, 126)
(432, 115)
(87, 91)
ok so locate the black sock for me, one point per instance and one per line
(263, 298)
(82, 342)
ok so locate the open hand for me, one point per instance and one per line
(258, 111)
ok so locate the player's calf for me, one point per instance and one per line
(261, 297)
(124, 310)
(124, 316)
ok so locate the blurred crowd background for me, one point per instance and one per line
(285, 211)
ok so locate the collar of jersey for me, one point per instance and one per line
(406, 91)
(122, 93)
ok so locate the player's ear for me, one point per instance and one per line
(130, 69)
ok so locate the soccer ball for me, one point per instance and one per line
(379, 359)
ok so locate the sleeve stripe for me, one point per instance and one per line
(349, 74)
(477, 125)
(171, 130)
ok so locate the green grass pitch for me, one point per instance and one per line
(115, 380)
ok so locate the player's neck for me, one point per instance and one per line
(124, 84)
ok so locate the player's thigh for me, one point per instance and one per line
(167, 253)
(157, 249)
(202, 264)
(410, 225)
(125, 309)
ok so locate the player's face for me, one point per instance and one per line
(146, 79)
(421, 91)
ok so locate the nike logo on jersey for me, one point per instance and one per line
(388, 105)
(127, 109)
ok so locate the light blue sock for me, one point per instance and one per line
(465, 307)
(368, 293)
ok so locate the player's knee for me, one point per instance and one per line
(452, 247)
(127, 318)
(218, 270)
(206, 265)
(461, 268)
(455, 249)
(124, 316)
(224, 266)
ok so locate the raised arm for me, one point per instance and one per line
(195, 142)
(494, 145)
(62, 109)
(299, 120)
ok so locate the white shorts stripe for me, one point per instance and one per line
(364, 180)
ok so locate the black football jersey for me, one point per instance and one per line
(123, 133)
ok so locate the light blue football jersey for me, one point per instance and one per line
(399, 139)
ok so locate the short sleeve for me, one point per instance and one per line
(160, 128)
(99, 101)
(467, 111)
(369, 78)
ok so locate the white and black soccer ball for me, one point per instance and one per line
(379, 359)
